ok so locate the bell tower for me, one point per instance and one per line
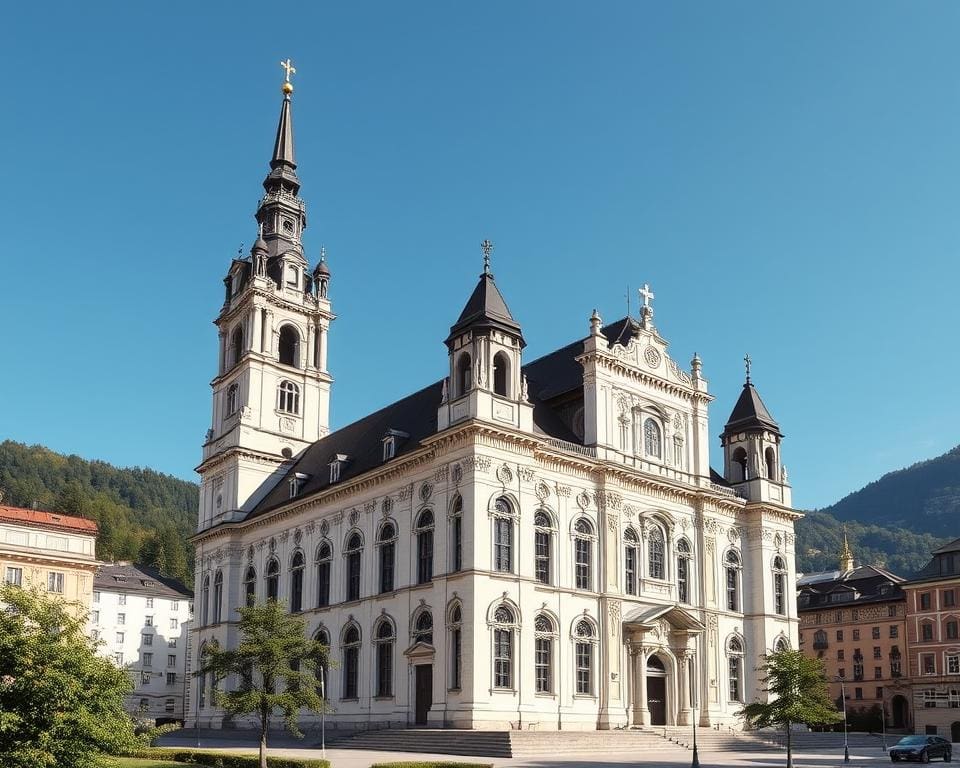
(271, 394)
(751, 449)
(485, 346)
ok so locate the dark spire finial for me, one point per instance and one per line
(747, 362)
(487, 247)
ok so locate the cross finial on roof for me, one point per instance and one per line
(289, 69)
(487, 247)
(748, 362)
(240, 251)
(628, 301)
(647, 294)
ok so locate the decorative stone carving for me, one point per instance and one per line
(563, 490)
(711, 545)
(613, 612)
(791, 538)
(284, 536)
(354, 516)
(406, 492)
(369, 506)
(504, 474)
(324, 528)
(456, 474)
(613, 522)
(583, 499)
(733, 534)
(261, 544)
(386, 506)
(250, 552)
(441, 474)
(310, 527)
(297, 536)
(629, 510)
(273, 544)
(478, 463)
(541, 490)
(526, 474)
(426, 490)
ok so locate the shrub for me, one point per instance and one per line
(227, 760)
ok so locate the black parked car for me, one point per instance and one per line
(922, 748)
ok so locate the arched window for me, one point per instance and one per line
(542, 546)
(684, 559)
(735, 669)
(218, 597)
(781, 645)
(464, 381)
(582, 554)
(652, 442)
(386, 544)
(289, 346)
(296, 583)
(503, 536)
(322, 670)
(455, 624)
(655, 550)
(780, 585)
(739, 468)
(770, 459)
(352, 552)
(236, 346)
(504, 625)
(230, 404)
(501, 375)
(819, 640)
(425, 547)
(273, 579)
(631, 550)
(288, 397)
(544, 636)
(584, 639)
(383, 638)
(250, 586)
(351, 662)
(423, 628)
(732, 567)
(324, 557)
(456, 534)
(205, 598)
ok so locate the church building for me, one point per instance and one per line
(520, 544)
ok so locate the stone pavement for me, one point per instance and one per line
(353, 758)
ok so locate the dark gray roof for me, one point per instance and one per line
(283, 166)
(945, 564)
(486, 309)
(750, 413)
(873, 584)
(953, 546)
(140, 579)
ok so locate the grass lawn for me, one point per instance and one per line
(137, 762)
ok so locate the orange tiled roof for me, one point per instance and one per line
(48, 520)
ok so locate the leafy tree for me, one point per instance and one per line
(797, 691)
(60, 703)
(273, 649)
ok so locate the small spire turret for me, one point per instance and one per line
(846, 554)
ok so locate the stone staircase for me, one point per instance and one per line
(726, 739)
(529, 743)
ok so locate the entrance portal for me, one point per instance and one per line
(899, 707)
(424, 692)
(656, 691)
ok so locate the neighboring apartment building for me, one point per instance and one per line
(48, 550)
(853, 619)
(933, 659)
(142, 621)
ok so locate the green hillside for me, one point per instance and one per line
(144, 516)
(923, 497)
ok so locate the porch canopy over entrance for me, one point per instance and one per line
(667, 634)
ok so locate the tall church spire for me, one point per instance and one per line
(846, 554)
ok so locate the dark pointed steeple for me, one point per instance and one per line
(283, 166)
(750, 413)
(486, 309)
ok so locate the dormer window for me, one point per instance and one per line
(297, 482)
(337, 463)
(391, 441)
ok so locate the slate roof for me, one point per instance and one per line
(750, 413)
(486, 309)
(945, 564)
(548, 377)
(139, 579)
(866, 580)
(51, 520)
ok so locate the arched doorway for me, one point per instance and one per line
(955, 732)
(657, 691)
(898, 707)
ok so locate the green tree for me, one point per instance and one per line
(273, 649)
(797, 692)
(60, 703)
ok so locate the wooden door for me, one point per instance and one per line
(657, 700)
(424, 692)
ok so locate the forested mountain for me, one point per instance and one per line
(922, 497)
(144, 516)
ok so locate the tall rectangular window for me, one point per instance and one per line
(502, 658)
(734, 672)
(353, 576)
(581, 555)
(542, 664)
(385, 669)
(424, 557)
(925, 601)
(351, 672)
(584, 659)
(929, 664)
(55, 582)
(386, 567)
(148, 659)
(894, 630)
(14, 576)
(457, 543)
(541, 554)
(926, 631)
(683, 579)
(503, 544)
(323, 584)
(455, 657)
(630, 570)
(779, 594)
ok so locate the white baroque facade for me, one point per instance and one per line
(518, 543)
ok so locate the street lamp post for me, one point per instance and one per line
(694, 702)
(883, 725)
(843, 700)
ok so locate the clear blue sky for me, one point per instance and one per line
(785, 176)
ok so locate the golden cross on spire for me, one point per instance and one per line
(288, 67)
(748, 362)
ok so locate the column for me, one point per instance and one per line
(683, 681)
(640, 710)
(311, 331)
